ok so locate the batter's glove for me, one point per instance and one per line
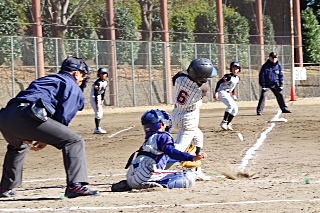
(191, 164)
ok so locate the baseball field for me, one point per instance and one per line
(276, 168)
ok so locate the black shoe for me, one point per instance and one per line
(77, 190)
(285, 110)
(259, 113)
(7, 192)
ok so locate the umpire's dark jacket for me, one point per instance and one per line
(271, 74)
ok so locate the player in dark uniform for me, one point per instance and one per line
(97, 97)
(271, 77)
(40, 115)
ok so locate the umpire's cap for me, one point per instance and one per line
(273, 55)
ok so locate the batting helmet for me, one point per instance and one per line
(235, 64)
(151, 120)
(102, 70)
(200, 69)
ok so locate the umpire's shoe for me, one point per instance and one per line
(76, 190)
(285, 110)
(7, 192)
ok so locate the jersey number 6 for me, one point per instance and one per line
(182, 97)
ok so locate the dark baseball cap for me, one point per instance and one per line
(273, 55)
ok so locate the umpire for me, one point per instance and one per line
(271, 77)
(39, 116)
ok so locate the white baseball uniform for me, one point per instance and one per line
(187, 100)
(97, 96)
(225, 86)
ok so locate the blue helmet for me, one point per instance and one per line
(102, 70)
(235, 64)
(151, 120)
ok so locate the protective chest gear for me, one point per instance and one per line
(151, 120)
(102, 70)
(200, 69)
(150, 149)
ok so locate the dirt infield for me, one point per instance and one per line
(283, 165)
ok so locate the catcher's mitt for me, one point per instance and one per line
(191, 164)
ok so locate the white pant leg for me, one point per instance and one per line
(98, 113)
(232, 106)
(188, 129)
(143, 171)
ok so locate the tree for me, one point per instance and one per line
(310, 36)
(57, 15)
(8, 26)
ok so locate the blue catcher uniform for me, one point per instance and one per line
(154, 154)
(42, 113)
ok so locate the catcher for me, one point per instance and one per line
(147, 169)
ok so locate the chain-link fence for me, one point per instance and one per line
(141, 78)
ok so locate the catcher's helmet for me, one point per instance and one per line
(102, 70)
(200, 69)
(235, 64)
(73, 64)
(151, 120)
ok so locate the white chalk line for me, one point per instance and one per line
(74, 208)
(110, 136)
(251, 152)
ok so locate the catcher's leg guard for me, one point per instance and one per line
(185, 179)
(121, 186)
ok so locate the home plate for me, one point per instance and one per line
(278, 120)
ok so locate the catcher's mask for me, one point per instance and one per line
(72, 63)
(152, 118)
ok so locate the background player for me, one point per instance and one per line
(188, 92)
(41, 114)
(147, 168)
(225, 86)
(97, 97)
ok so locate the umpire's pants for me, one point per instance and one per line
(277, 92)
(16, 126)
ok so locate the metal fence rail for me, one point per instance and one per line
(140, 70)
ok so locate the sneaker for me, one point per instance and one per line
(7, 192)
(223, 125)
(199, 175)
(229, 126)
(77, 190)
(285, 110)
(99, 131)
